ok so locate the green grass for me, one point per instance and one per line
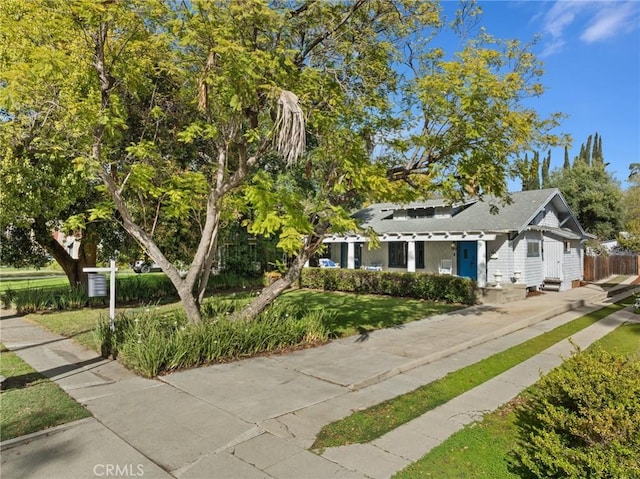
(16, 283)
(360, 314)
(368, 424)
(31, 402)
(80, 324)
(353, 314)
(483, 449)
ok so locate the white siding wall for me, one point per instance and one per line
(499, 258)
(532, 268)
(550, 218)
(572, 264)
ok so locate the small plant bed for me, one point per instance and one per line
(31, 402)
(496, 446)
(369, 424)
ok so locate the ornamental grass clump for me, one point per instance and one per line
(152, 343)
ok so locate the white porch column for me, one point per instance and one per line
(351, 256)
(411, 256)
(482, 263)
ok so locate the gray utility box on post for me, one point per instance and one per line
(97, 285)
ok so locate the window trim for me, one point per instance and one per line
(393, 255)
(533, 248)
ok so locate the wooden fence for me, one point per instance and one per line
(601, 267)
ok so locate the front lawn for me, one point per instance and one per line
(359, 314)
(31, 402)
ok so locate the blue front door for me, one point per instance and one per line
(468, 259)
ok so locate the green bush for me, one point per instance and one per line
(151, 343)
(583, 420)
(130, 289)
(451, 289)
(7, 298)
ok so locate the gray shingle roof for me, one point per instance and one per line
(515, 216)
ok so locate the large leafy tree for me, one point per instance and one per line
(594, 196)
(301, 109)
(40, 188)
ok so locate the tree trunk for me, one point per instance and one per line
(189, 303)
(271, 292)
(73, 268)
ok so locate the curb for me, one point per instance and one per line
(17, 441)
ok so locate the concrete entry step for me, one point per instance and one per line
(551, 284)
(504, 294)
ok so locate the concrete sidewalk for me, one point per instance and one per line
(258, 417)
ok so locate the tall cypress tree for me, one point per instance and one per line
(597, 153)
(546, 163)
(580, 158)
(535, 172)
(587, 151)
(567, 163)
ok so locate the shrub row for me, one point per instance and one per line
(450, 289)
(583, 419)
(151, 343)
(143, 288)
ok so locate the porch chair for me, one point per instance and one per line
(446, 266)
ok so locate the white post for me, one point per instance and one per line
(482, 263)
(411, 256)
(112, 295)
(351, 256)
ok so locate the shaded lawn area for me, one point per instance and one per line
(31, 402)
(483, 449)
(359, 314)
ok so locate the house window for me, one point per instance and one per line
(397, 254)
(533, 249)
(567, 246)
(420, 255)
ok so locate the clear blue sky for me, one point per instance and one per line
(591, 56)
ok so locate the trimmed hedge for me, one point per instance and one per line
(432, 287)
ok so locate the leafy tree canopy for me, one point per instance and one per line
(292, 112)
(594, 196)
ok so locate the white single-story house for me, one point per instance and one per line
(534, 241)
